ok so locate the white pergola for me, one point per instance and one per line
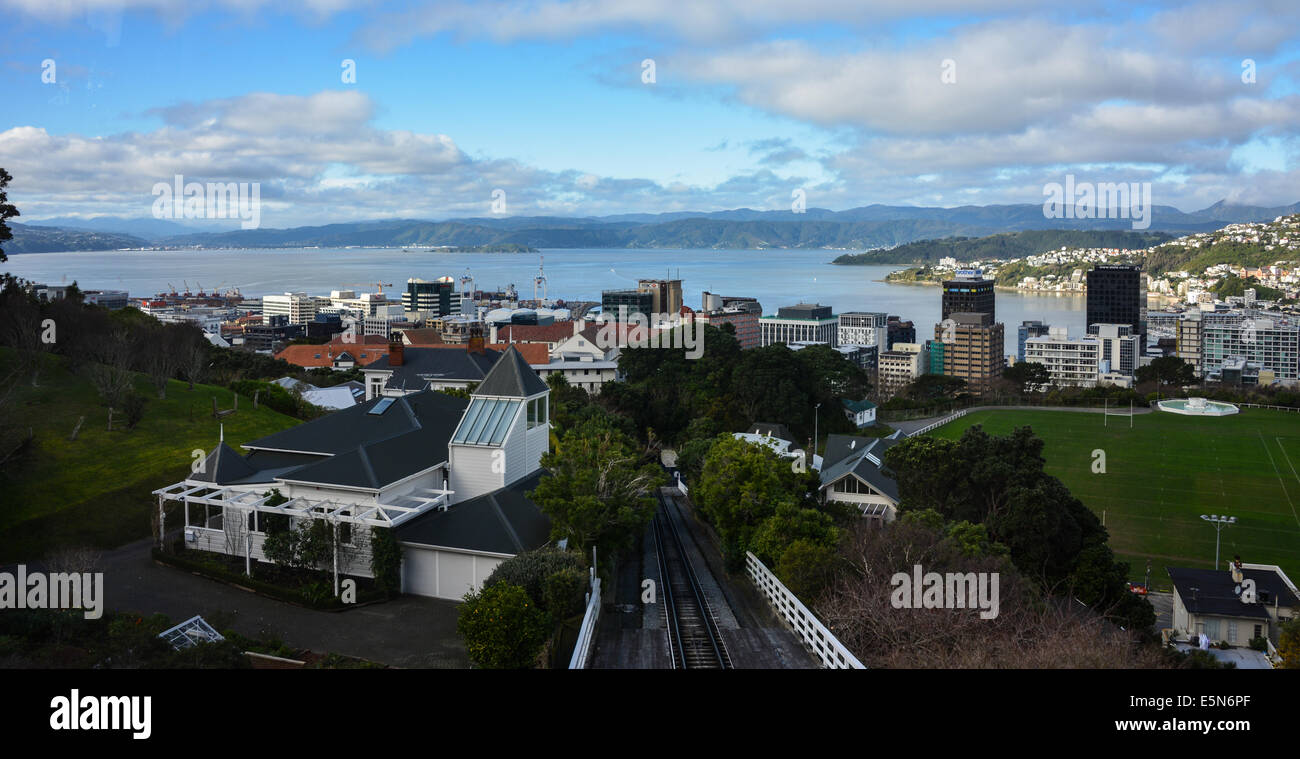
(245, 501)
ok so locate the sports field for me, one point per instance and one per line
(1166, 471)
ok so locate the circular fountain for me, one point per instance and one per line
(1197, 407)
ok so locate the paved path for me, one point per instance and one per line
(911, 425)
(407, 632)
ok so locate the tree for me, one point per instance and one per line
(7, 212)
(162, 349)
(1028, 376)
(1288, 644)
(195, 355)
(741, 485)
(1167, 370)
(998, 481)
(792, 523)
(502, 627)
(934, 387)
(600, 488)
(386, 559)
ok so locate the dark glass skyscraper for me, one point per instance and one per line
(968, 293)
(1117, 294)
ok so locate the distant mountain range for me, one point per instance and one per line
(865, 228)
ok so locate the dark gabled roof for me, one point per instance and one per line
(1215, 592)
(512, 377)
(772, 430)
(861, 456)
(503, 521)
(223, 466)
(423, 365)
(342, 430)
(376, 462)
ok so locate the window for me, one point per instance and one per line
(1212, 629)
(345, 533)
(1259, 631)
(1232, 632)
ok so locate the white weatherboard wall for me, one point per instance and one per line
(826, 647)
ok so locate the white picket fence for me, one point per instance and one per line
(826, 647)
(940, 423)
(587, 633)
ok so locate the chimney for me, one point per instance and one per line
(395, 349)
(475, 344)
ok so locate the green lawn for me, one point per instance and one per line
(1166, 471)
(95, 491)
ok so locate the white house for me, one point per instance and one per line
(861, 413)
(852, 472)
(448, 475)
(582, 361)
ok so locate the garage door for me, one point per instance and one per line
(443, 574)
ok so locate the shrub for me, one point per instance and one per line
(386, 559)
(530, 569)
(133, 406)
(564, 593)
(1259, 644)
(502, 627)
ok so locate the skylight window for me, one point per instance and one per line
(381, 407)
(486, 421)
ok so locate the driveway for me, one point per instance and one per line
(407, 632)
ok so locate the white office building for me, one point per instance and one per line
(1070, 362)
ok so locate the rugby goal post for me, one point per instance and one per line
(1107, 414)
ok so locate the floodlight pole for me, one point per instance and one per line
(1219, 522)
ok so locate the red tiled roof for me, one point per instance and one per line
(535, 333)
(422, 337)
(364, 349)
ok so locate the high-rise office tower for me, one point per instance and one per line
(1117, 294)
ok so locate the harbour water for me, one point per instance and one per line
(776, 277)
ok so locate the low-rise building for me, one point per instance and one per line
(803, 322)
(1221, 605)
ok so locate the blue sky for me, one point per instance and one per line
(546, 101)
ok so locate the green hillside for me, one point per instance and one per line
(1004, 246)
(95, 491)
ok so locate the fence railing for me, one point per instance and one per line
(826, 647)
(1261, 405)
(940, 423)
(587, 632)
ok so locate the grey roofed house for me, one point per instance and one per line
(511, 377)
(420, 366)
(770, 429)
(1213, 592)
(504, 521)
(861, 456)
(352, 447)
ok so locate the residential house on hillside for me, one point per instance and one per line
(1211, 601)
(449, 475)
(861, 413)
(853, 472)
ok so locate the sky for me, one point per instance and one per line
(342, 110)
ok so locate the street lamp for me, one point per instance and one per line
(816, 415)
(1219, 522)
